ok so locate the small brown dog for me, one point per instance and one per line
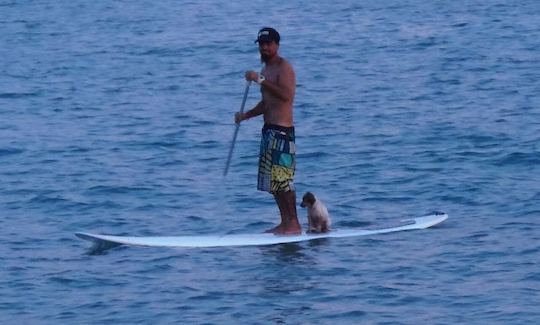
(318, 218)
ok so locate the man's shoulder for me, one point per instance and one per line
(285, 62)
(286, 65)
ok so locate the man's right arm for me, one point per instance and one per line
(259, 109)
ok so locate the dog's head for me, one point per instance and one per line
(308, 200)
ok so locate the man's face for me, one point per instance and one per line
(268, 50)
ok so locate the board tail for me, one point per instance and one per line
(98, 246)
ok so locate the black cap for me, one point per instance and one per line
(268, 34)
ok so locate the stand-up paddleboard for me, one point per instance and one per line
(257, 239)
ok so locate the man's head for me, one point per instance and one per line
(268, 39)
(268, 34)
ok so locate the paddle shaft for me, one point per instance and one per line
(236, 130)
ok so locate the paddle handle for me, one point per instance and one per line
(236, 130)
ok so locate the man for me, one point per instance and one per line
(277, 156)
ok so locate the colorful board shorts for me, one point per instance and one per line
(277, 161)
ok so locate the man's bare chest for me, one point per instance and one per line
(271, 74)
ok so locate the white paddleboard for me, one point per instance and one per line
(258, 239)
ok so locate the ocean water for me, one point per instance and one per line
(117, 116)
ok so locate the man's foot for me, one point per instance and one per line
(288, 231)
(274, 230)
(284, 230)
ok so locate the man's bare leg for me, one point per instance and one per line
(289, 225)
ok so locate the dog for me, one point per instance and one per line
(318, 218)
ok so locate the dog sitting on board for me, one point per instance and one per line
(318, 218)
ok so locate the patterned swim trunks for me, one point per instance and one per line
(277, 159)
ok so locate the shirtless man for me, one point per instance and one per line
(277, 156)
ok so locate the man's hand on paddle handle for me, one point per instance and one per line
(252, 76)
(239, 117)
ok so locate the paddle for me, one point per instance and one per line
(236, 130)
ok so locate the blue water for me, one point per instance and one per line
(116, 117)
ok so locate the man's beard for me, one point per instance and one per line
(265, 58)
